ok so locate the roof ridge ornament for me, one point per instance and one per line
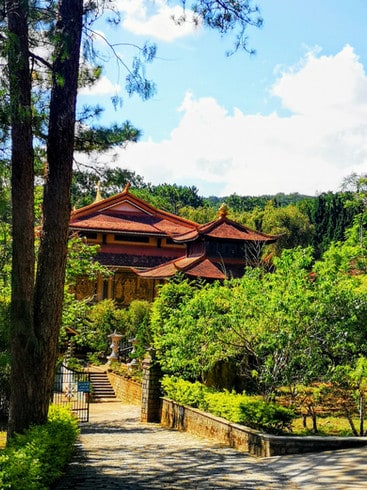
(127, 187)
(223, 210)
(98, 193)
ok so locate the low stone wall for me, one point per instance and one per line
(243, 438)
(126, 390)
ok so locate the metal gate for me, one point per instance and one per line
(72, 389)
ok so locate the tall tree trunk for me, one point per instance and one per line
(34, 356)
(23, 340)
(50, 278)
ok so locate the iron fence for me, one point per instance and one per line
(73, 389)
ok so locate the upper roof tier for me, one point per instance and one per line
(225, 229)
(128, 214)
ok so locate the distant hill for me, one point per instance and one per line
(248, 203)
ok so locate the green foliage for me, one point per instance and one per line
(5, 230)
(351, 381)
(101, 139)
(35, 459)
(184, 392)
(331, 215)
(292, 326)
(93, 323)
(102, 319)
(241, 204)
(105, 317)
(4, 361)
(201, 214)
(81, 261)
(175, 197)
(226, 18)
(289, 222)
(189, 326)
(238, 408)
(256, 413)
(138, 326)
(111, 180)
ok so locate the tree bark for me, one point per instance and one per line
(50, 278)
(23, 341)
(35, 342)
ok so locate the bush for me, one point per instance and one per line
(239, 408)
(35, 459)
(264, 415)
(184, 392)
(226, 405)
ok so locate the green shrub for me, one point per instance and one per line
(239, 408)
(35, 459)
(226, 405)
(184, 392)
(264, 415)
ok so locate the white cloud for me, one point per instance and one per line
(102, 87)
(154, 18)
(323, 140)
(323, 84)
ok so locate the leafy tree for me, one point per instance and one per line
(111, 181)
(293, 326)
(36, 305)
(80, 264)
(194, 340)
(350, 384)
(278, 314)
(243, 204)
(175, 197)
(331, 215)
(290, 223)
(101, 320)
(4, 362)
(201, 214)
(138, 326)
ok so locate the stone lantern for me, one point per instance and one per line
(115, 341)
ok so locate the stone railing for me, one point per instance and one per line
(243, 438)
(174, 416)
(126, 390)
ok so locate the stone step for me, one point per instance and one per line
(101, 386)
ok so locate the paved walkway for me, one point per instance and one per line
(116, 451)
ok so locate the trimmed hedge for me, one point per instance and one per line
(252, 411)
(36, 459)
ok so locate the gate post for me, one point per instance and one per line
(151, 389)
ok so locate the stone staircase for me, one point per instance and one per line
(102, 389)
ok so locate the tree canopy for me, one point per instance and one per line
(295, 325)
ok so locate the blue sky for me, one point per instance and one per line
(291, 118)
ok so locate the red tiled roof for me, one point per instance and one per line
(190, 266)
(128, 214)
(224, 228)
(141, 224)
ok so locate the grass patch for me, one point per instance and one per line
(327, 426)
